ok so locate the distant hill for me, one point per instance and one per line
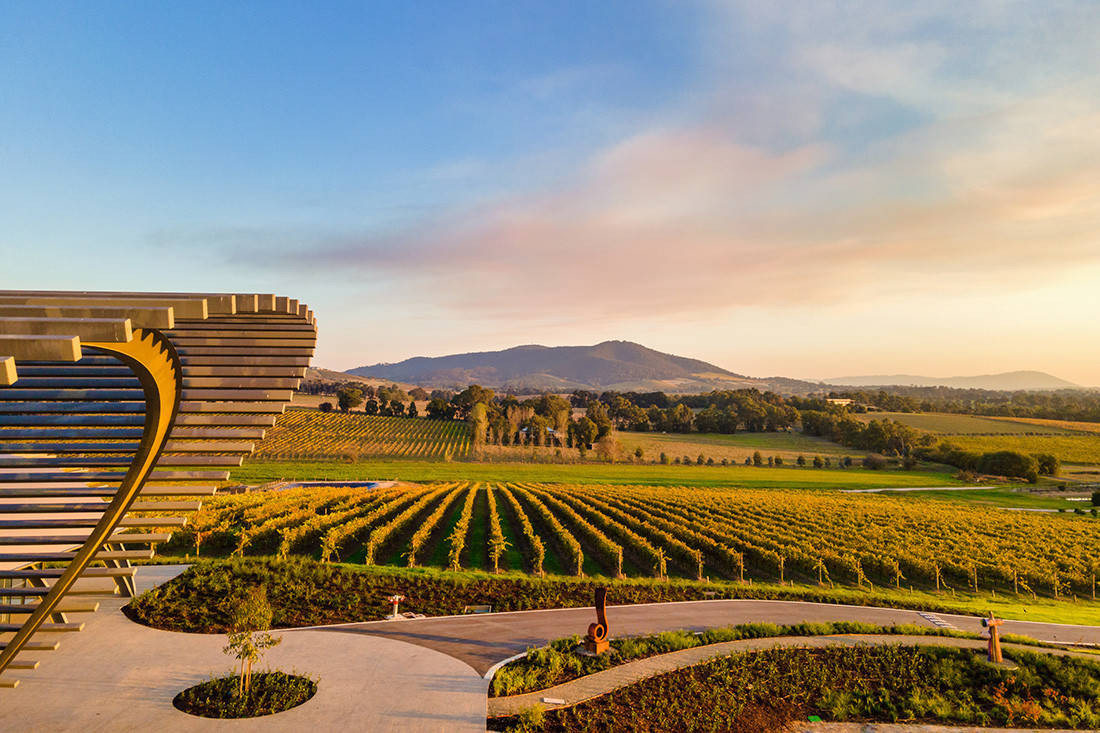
(612, 365)
(1024, 380)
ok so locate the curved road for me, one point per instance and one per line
(483, 640)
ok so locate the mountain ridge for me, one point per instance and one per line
(1009, 381)
(608, 365)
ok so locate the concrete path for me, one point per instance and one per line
(483, 640)
(118, 676)
(601, 683)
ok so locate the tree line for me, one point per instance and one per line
(1067, 404)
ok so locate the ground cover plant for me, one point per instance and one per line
(271, 692)
(309, 593)
(303, 434)
(765, 690)
(829, 539)
(558, 661)
(735, 447)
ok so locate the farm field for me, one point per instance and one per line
(258, 472)
(736, 447)
(302, 434)
(1077, 448)
(951, 424)
(863, 542)
(1070, 425)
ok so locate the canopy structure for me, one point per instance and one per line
(118, 412)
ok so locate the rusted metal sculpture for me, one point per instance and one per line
(595, 642)
(992, 623)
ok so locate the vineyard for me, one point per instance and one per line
(1079, 448)
(615, 531)
(305, 434)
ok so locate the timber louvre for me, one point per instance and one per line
(114, 403)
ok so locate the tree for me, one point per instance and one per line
(326, 407)
(412, 411)
(801, 460)
(1049, 465)
(419, 393)
(818, 462)
(478, 420)
(371, 406)
(439, 409)
(583, 432)
(250, 620)
(757, 459)
(349, 398)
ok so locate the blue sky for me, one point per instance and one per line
(806, 189)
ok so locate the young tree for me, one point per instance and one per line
(248, 638)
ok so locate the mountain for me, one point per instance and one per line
(611, 365)
(1010, 381)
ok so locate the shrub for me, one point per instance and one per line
(1009, 463)
(1049, 465)
(757, 459)
(664, 459)
(818, 462)
(874, 462)
(801, 460)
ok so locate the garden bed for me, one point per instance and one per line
(270, 693)
(765, 690)
(310, 593)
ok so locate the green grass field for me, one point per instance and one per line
(1068, 448)
(948, 424)
(1024, 497)
(257, 472)
(736, 447)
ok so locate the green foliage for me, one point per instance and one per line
(558, 661)
(349, 397)
(250, 617)
(271, 692)
(767, 690)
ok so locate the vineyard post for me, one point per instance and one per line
(619, 563)
(698, 565)
(741, 567)
(782, 563)
(936, 568)
(1015, 582)
(662, 564)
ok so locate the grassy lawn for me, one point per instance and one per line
(255, 472)
(950, 424)
(1007, 496)
(736, 447)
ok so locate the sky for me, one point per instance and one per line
(780, 188)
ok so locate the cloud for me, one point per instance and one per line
(996, 187)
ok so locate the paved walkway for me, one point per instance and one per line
(601, 683)
(118, 676)
(483, 640)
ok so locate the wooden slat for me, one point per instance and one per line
(71, 407)
(263, 395)
(160, 318)
(106, 330)
(206, 407)
(57, 539)
(66, 606)
(70, 433)
(44, 628)
(35, 573)
(41, 348)
(181, 307)
(8, 373)
(67, 556)
(19, 393)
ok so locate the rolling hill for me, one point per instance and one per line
(1022, 380)
(611, 365)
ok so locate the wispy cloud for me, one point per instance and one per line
(998, 184)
